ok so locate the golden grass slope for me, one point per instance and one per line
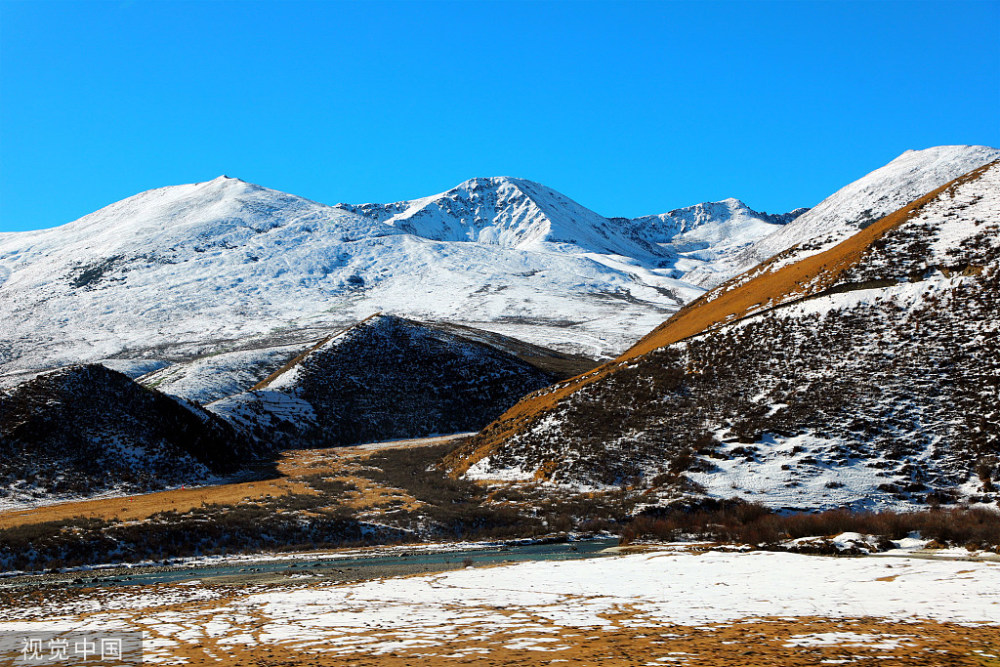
(752, 292)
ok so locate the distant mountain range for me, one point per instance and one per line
(180, 272)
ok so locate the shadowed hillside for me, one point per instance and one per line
(388, 378)
(88, 429)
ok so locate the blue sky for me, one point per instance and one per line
(628, 108)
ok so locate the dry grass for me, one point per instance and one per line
(629, 637)
(134, 508)
(730, 301)
(756, 642)
(339, 464)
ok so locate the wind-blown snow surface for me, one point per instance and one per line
(198, 269)
(853, 207)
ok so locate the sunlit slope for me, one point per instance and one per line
(753, 361)
(178, 273)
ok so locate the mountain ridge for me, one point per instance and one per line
(85, 429)
(861, 202)
(182, 271)
(388, 378)
(785, 390)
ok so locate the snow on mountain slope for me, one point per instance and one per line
(729, 222)
(855, 206)
(704, 234)
(389, 378)
(212, 377)
(510, 212)
(184, 271)
(863, 376)
(179, 266)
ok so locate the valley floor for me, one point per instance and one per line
(664, 605)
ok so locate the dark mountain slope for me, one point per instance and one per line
(388, 378)
(865, 375)
(88, 429)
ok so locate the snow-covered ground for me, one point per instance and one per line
(531, 605)
(192, 270)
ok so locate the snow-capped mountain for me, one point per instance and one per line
(388, 378)
(704, 235)
(509, 212)
(853, 207)
(184, 271)
(862, 375)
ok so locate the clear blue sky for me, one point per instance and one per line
(628, 108)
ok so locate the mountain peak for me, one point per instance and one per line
(489, 182)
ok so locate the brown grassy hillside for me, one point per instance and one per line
(753, 292)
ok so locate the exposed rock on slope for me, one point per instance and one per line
(865, 375)
(510, 212)
(84, 430)
(389, 378)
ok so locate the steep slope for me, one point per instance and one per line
(865, 375)
(215, 376)
(855, 206)
(388, 378)
(86, 430)
(510, 212)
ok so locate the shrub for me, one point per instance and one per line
(752, 523)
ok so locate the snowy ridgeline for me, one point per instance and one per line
(877, 392)
(194, 269)
(227, 266)
(859, 204)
